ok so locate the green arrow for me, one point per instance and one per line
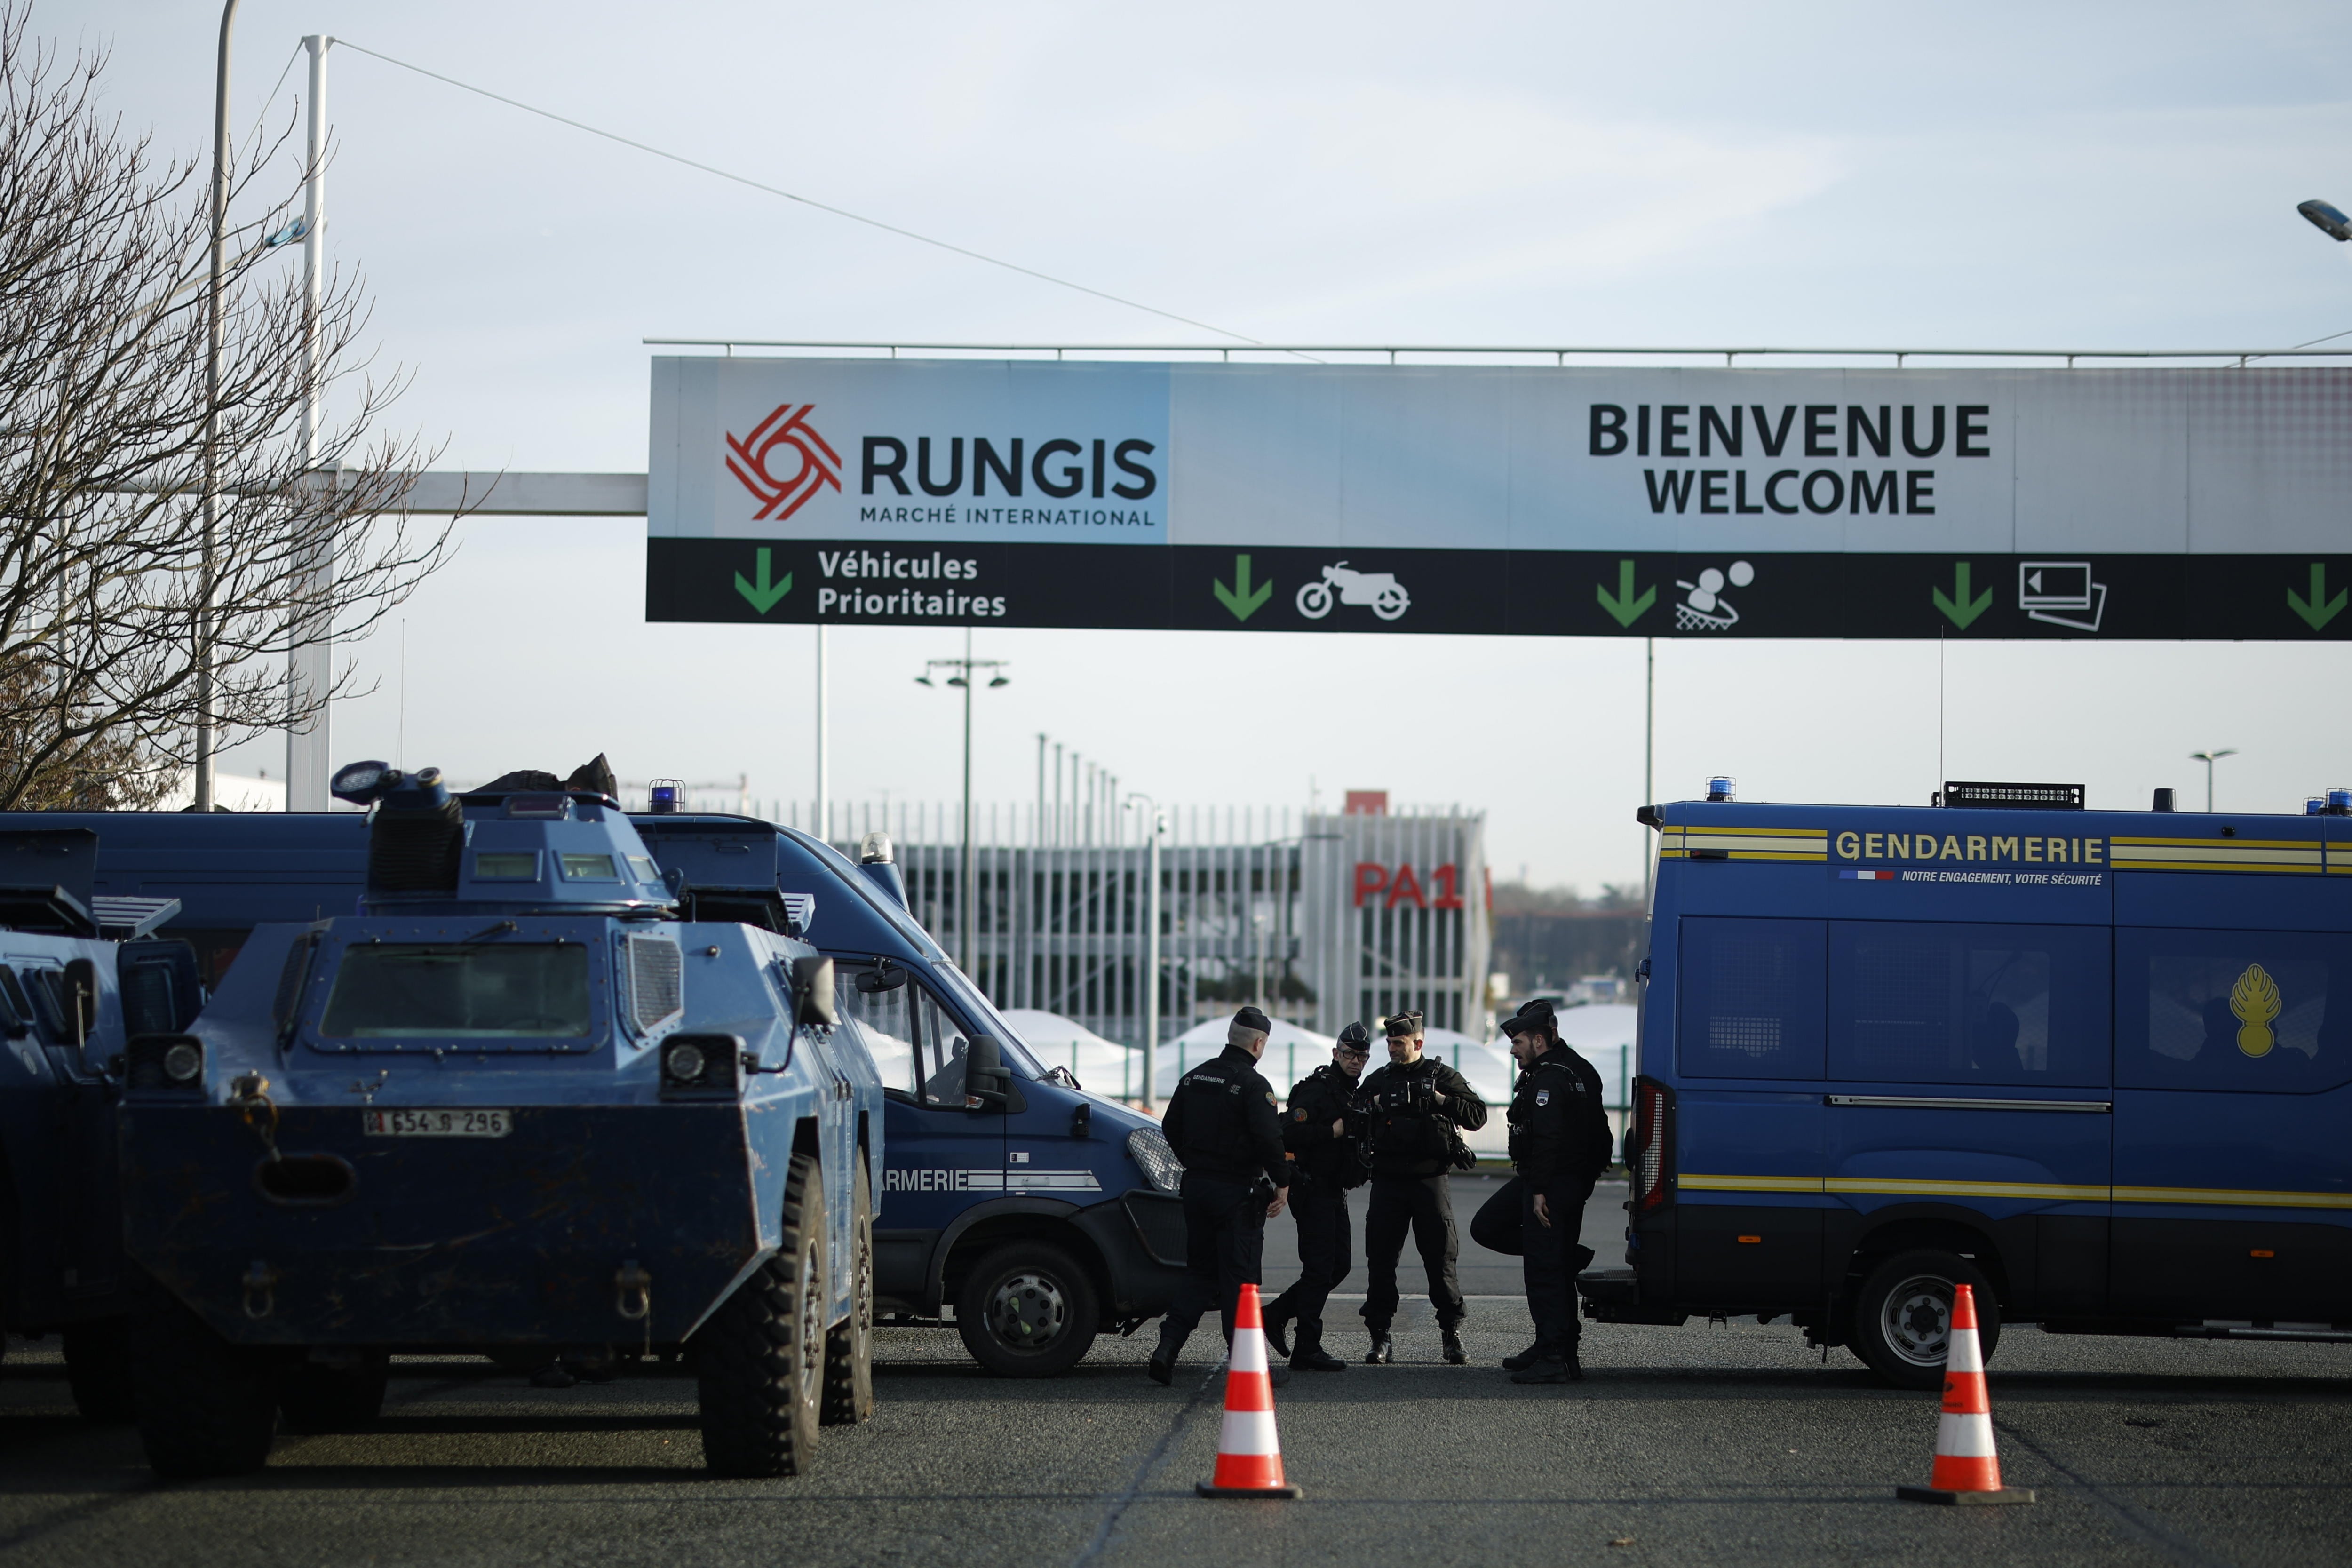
(1961, 610)
(1238, 598)
(2319, 609)
(1623, 606)
(763, 597)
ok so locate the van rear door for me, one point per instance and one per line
(2234, 1102)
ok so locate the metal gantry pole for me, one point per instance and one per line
(205, 738)
(310, 663)
(823, 755)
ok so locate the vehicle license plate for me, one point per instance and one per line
(452, 1123)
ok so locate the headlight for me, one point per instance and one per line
(702, 1064)
(1148, 1147)
(166, 1063)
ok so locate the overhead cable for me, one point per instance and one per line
(792, 197)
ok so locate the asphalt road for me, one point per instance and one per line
(1697, 1445)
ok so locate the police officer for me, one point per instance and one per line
(1324, 1166)
(1560, 1143)
(1413, 1108)
(1223, 1124)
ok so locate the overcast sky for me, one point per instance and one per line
(2112, 176)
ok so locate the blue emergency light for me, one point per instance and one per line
(662, 797)
(1720, 788)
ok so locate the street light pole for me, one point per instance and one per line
(963, 920)
(966, 670)
(310, 665)
(204, 736)
(1151, 949)
(2208, 759)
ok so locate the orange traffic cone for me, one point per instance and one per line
(1967, 1470)
(1249, 1456)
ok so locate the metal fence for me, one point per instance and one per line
(1259, 904)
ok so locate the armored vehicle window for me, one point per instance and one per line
(466, 992)
(508, 865)
(1968, 1004)
(2242, 1010)
(40, 984)
(1751, 997)
(589, 868)
(20, 1006)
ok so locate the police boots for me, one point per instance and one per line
(1383, 1351)
(1557, 1366)
(1310, 1356)
(1454, 1354)
(1162, 1365)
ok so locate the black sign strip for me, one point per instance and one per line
(1725, 594)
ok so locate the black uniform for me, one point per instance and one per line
(1324, 1166)
(1222, 1125)
(1560, 1143)
(1411, 1114)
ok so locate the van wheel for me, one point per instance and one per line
(1902, 1316)
(97, 1369)
(849, 1345)
(316, 1398)
(207, 1407)
(1027, 1309)
(760, 1361)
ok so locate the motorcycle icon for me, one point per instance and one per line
(1380, 590)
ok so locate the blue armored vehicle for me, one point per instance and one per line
(1028, 1211)
(68, 999)
(515, 1102)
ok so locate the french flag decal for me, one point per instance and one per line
(1867, 876)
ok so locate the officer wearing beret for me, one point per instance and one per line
(1413, 1108)
(1560, 1143)
(1324, 1165)
(1223, 1124)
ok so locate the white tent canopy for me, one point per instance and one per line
(1291, 1053)
(1103, 1066)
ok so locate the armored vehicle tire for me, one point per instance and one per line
(207, 1407)
(760, 1361)
(849, 1345)
(98, 1369)
(315, 1398)
(1903, 1313)
(1027, 1309)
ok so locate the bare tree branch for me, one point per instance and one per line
(103, 402)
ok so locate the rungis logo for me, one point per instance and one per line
(783, 461)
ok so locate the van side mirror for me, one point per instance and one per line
(813, 993)
(80, 999)
(987, 1081)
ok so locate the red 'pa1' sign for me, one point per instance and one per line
(1372, 879)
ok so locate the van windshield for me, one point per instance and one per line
(531, 989)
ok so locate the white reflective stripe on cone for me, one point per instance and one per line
(1249, 1350)
(1964, 1436)
(1964, 1354)
(1248, 1432)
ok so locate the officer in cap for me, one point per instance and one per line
(1324, 1166)
(1223, 1124)
(1560, 1143)
(1414, 1108)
